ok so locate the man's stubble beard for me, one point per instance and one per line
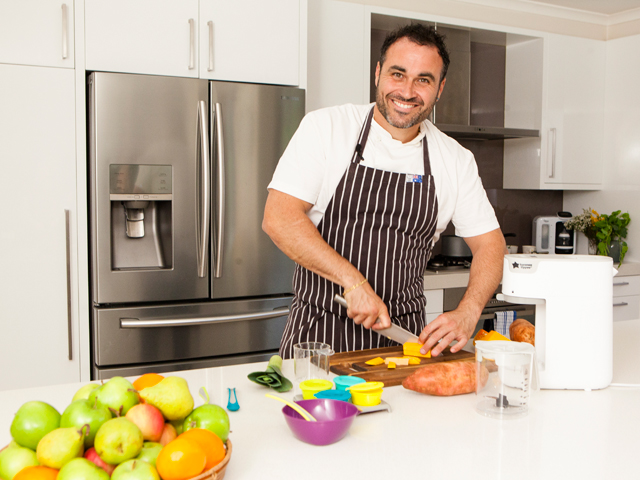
(409, 121)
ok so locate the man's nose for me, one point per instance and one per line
(407, 89)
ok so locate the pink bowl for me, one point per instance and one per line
(334, 419)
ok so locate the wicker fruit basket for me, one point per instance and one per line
(217, 472)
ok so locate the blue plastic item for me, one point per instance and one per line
(341, 395)
(345, 381)
(233, 406)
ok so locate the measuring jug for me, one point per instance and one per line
(311, 360)
(504, 372)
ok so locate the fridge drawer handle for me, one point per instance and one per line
(65, 32)
(192, 44)
(621, 304)
(620, 284)
(203, 211)
(210, 25)
(187, 322)
(220, 172)
(67, 227)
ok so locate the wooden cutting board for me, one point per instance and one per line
(353, 364)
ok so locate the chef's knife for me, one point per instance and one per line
(394, 332)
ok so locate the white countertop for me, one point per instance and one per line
(566, 435)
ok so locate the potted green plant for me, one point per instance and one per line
(606, 233)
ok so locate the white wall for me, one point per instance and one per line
(621, 189)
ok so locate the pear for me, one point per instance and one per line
(118, 395)
(60, 446)
(171, 396)
(83, 392)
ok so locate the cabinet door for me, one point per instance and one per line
(37, 32)
(157, 37)
(255, 41)
(573, 122)
(37, 148)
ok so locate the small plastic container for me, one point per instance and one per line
(341, 395)
(367, 394)
(343, 382)
(312, 386)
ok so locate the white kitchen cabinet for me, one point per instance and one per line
(435, 304)
(37, 32)
(569, 153)
(156, 37)
(38, 152)
(256, 41)
(626, 297)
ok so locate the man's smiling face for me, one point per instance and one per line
(408, 86)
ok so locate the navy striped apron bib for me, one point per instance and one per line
(383, 223)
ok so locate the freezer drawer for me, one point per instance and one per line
(183, 332)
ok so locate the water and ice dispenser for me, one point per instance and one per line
(141, 216)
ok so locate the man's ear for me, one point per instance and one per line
(444, 80)
(377, 73)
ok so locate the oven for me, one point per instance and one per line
(452, 297)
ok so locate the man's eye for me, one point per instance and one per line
(396, 75)
(425, 81)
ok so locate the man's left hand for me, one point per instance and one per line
(454, 325)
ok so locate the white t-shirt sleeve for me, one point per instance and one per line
(300, 171)
(473, 214)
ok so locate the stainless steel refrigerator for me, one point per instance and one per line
(182, 275)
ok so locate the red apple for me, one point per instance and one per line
(168, 434)
(93, 456)
(148, 419)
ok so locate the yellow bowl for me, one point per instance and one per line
(314, 385)
(366, 394)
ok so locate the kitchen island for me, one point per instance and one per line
(566, 435)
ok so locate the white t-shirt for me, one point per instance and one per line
(320, 151)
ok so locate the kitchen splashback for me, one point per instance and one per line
(515, 209)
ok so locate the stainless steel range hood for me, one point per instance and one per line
(472, 102)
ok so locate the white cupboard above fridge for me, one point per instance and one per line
(255, 41)
(38, 32)
(568, 155)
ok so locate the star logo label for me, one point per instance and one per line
(515, 265)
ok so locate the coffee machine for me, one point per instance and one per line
(573, 295)
(550, 235)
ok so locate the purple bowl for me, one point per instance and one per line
(334, 419)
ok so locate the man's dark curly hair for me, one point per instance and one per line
(422, 35)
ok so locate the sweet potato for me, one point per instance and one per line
(446, 378)
(522, 331)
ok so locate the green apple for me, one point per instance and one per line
(81, 469)
(149, 452)
(15, 458)
(82, 412)
(33, 421)
(135, 470)
(209, 416)
(84, 391)
(117, 394)
(118, 440)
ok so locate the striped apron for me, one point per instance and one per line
(383, 223)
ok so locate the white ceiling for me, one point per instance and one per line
(604, 7)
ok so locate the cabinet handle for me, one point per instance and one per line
(65, 32)
(67, 225)
(551, 166)
(621, 304)
(620, 284)
(210, 25)
(192, 44)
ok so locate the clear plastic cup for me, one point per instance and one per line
(311, 360)
(504, 376)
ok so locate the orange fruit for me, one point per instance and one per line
(180, 459)
(209, 442)
(147, 380)
(36, 473)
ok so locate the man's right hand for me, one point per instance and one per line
(365, 307)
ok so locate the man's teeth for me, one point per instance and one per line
(405, 106)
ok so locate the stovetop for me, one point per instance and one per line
(445, 263)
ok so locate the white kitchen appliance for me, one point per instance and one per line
(573, 295)
(550, 235)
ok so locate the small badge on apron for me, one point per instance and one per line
(411, 178)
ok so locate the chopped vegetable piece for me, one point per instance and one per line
(391, 365)
(413, 349)
(397, 360)
(493, 335)
(375, 361)
(413, 360)
(480, 335)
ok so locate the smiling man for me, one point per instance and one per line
(361, 195)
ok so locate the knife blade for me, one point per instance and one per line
(394, 332)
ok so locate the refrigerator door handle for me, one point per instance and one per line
(219, 139)
(186, 322)
(202, 167)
